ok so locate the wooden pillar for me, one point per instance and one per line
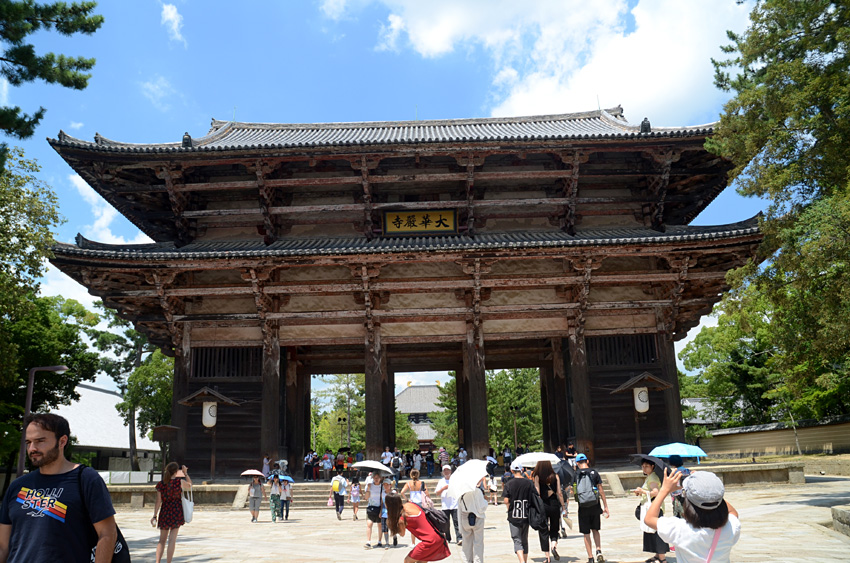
(388, 391)
(270, 406)
(461, 394)
(672, 398)
(180, 389)
(545, 410)
(477, 434)
(295, 418)
(305, 408)
(559, 399)
(580, 385)
(376, 383)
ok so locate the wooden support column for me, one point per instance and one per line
(461, 393)
(545, 408)
(270, 406)
(376, 383)
(672, 398)
(558, 401)
(180, 389)
(580, 386)
(476, 438)
(388, 390)
(304, 426)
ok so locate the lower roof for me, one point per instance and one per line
(359, 245)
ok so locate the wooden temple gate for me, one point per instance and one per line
(283, 251)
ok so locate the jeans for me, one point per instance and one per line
(430, 465)
(308, 471)
(284, 508)
(339, 502)
(451, 514)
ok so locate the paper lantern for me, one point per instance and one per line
(641, 399)
(210, 413)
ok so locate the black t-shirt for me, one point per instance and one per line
(429, 457)
(47, 515)
(518, 491)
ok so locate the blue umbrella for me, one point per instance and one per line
(678, 448)
(282, 478)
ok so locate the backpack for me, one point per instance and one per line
(438, 520)
(396, 463)
(335, 486)
(537, 518)
(586, 494)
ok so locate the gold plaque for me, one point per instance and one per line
(420, 222)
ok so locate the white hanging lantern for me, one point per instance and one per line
(641, 399)
(210, 413)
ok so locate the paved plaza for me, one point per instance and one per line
(780, 523)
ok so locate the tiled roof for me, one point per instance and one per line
(360, 245)
(418, 399)
(230, 135)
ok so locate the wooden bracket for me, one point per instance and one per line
(658, 184)
(173, 177)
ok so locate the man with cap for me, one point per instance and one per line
(449, 504)
(709, 526)
(589, 513)
(517, 494)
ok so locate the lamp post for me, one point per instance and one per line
(28, 407)
(515, 410)
(341, 420)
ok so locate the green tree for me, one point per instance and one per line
(787, 132)
(27, 218)
(51, 331)
(405, 437)
(346, 393)
(21, 63)
(511, 388)
(123, 347)
(445, 421)
(148, 392)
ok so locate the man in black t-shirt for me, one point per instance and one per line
(589, 520)
(517, 496)
(56, 512)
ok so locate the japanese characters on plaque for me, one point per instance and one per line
(420, 222)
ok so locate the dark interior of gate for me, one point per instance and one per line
(285, 250)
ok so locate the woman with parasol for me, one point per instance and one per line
(647, 492)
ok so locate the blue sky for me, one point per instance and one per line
(167, 68)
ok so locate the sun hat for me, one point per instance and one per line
(516, 466)
(704, 489)
(442, 449)
(449, 467)
(580, 458)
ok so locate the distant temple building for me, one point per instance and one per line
(418, 403)
(558, 242)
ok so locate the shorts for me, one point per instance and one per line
(519, 533)
(373, 513)
(589, 518)
(254, 503)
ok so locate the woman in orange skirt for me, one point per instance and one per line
(403, 516)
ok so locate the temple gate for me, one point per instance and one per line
(282, 251)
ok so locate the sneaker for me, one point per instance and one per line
(368, 546)
(338, 516)
(599, 558)
(379, 544)
(460, 542)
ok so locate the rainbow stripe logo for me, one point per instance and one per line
(42, 503)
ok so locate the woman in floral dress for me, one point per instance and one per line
(168, 512)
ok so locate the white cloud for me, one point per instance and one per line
(76, 125)
(556, 56)
(173, 22)
(158, 90)
(4, 92)
(100, 230)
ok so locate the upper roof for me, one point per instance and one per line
(418, 399)
(231, 135)
(96, 423)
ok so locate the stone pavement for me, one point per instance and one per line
(780, 523)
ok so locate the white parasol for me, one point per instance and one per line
(252, 472)
(531, 458)
(372, 466)
(466, 477)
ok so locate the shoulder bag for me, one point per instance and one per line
(187, 499)
(122, 550)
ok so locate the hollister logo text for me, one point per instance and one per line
(42, 502)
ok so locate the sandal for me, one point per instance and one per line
(652, 559)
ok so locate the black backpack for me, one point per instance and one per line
(537, 518)
(396, 463)
(438, 519)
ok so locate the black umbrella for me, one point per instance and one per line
(660, 465)
(566, 473)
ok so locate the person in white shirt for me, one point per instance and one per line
(461, 456)
(387, 456)
(472, 506)
(338, 486)
(709, 525)
(448, 504)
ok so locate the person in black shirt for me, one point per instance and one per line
(517, 496)
(52, 513)
(588, 516)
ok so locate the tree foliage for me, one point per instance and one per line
(787, 131)
(445, 421)
(405, 437)
(21, 64)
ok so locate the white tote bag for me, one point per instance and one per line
(188, 501)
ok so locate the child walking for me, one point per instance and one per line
(354, 499)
